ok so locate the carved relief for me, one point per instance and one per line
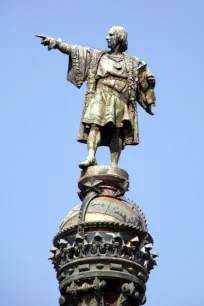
(89, 294)
(79, 247)
(147, 259)
(99, 246)
(129, 293)
(104, 250)
(133, 248)
(116, 247)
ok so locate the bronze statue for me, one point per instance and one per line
(115, 82)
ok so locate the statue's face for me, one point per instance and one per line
(112, 39)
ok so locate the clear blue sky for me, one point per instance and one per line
(39, 119)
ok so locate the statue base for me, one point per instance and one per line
(106, 180)
(102, 252)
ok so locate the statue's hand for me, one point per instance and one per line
(45, 41)
(48, 41)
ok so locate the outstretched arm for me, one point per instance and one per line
(53, 43)
(79, 58)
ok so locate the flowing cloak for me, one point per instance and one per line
(83, 66)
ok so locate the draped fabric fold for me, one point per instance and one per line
(111, 97)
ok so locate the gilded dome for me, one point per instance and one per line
(104, 208)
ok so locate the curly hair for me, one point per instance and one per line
(122, 36)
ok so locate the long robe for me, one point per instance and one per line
(84, 65)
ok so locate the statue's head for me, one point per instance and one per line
(117, 35)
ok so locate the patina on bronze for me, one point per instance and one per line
(103, 251)
(115, 82)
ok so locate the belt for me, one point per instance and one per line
(122, 96)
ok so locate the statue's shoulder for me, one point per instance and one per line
(95, 51)
(87, 49)
(139, 63)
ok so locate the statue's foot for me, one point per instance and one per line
(114, 164)
(87, 163)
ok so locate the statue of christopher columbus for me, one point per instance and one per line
(115, 82)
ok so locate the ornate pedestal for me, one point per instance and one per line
(102, 251)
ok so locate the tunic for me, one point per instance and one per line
(110, 100)
(114, 84)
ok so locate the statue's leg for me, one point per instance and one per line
(116, 144)
(93, 141)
